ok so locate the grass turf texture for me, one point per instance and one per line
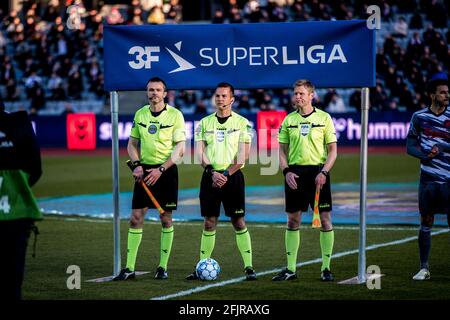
(64, 242)
(89, 245)
(86, 174)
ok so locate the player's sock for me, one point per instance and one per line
(207, 244)
(424, 245)
(244, 244)
(292, 242)
(134, 240)
(166, 246)
(326, 245)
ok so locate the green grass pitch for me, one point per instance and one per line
(88, 243)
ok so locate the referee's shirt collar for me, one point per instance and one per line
(155, 114)
(306, 115)
(222, 120)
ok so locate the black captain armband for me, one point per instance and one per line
(209, 169)
(285, 171)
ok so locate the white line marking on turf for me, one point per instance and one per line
(337, 255)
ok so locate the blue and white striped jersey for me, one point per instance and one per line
(427, 130)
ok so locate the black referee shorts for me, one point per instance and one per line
(303, 197)
(165, 190)
(232, 195)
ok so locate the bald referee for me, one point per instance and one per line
(308, 150)
(157, 142)
(223, 144)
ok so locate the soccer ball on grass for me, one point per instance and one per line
(208, 269)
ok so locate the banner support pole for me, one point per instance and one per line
(363, 186)
(114, 99)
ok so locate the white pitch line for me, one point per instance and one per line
(337, 255)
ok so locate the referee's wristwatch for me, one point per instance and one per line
(136, 164)
(209, 169)
(161, 169)
(324, 172)
(226, 173)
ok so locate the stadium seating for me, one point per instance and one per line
(23, 35)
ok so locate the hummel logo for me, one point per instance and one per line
(202, 251)
(327, 255)
(288, 253)
(164, 250)
(272, 124)
(248, 251)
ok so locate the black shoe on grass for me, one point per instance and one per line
(125, 274)
(161, 274)
(285, 275)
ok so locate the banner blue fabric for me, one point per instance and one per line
(263, 55)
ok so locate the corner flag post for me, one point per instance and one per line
(363, 186)
(114, 98)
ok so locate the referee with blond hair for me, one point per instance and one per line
(308, 150)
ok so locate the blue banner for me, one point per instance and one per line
(262, 55)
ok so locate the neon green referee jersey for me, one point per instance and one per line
(222, 140)
(158, 135)
(307, 137)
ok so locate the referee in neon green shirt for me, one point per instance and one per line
(157, 142)
(308, 150)
(223, 145)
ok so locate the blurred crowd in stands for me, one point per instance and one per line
(48, 54)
